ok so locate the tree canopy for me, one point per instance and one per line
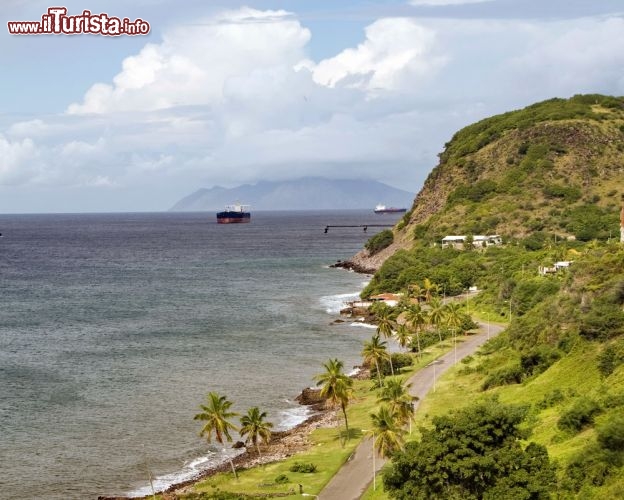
(472, 454)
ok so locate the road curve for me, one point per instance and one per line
(356, 474)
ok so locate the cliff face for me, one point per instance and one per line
(540, 169)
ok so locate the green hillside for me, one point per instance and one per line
(548, 179)
(536, 169)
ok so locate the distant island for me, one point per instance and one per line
(308, 193)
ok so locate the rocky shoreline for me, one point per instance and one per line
(283, 444)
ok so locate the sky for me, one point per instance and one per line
(228, 93)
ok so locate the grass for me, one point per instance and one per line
(327, 449)
(574, 375)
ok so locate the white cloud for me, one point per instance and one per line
(398, 53)
(18, 161)
(445, 2)
(236, 98)
(585, 56)
(28, 128)
(194, 62)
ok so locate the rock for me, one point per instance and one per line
(238, 445)
(310, 396)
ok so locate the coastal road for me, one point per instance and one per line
(356, 474)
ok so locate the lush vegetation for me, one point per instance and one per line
(381, 240)
(538, 411)
(472, 454)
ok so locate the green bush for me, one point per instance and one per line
(399, 360)
(611, 433)
(380, 241)
(580, 415)
(551, 399)
(567, 193)
(609, 359)
(504, 376)
(282, 479)
(303, 467)
(538, 360)
(602, 321)
(590, 467)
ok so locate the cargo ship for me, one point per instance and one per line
(383, 209)
(234, 214)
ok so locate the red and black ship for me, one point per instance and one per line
(234, 214)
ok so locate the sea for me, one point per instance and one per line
(114, 327)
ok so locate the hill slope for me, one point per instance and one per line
(548, 179)
(310, 193)
(556, 166)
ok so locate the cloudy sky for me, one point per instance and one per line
(225, 93)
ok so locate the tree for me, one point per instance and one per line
(375, 351)
(436, 314)
(474, 453)
(429, 289)
(453, 318)
(387, 431)
(336, 386)
(453, 315)
(396, 395)
(216, 415)
(403, 335)
(255, 427)
(417, 317)
(385, 324)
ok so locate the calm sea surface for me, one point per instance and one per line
(114, 327)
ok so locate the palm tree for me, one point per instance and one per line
(336, 386)
(414, 291)
(216, 415)
(255, 427)
(385, 324)
(454, 318)
(400, 401)
(453, 315)
(436, 314)
(429, 289)
(375, 351)
(403, 335)
(386, 431)
(417, 317)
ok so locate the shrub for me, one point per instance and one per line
(504, 376)
(580, 415)
(551, 399)
(611, 434)
(589, 467)
(303, 467)
(380, 241)
(567, 193)
(602, 321)
(282, 479)
(399, 360)
(538, 360)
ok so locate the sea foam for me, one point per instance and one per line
(334, 303)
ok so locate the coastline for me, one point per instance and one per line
(283, 444)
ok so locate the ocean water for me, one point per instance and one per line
(114, 327)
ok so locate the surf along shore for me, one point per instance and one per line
(303, 443)
(283, 444)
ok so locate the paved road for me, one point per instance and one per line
(355, 476)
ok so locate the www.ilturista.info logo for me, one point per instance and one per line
(57, 22)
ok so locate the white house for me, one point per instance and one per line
(478, 241)
(557, 266)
